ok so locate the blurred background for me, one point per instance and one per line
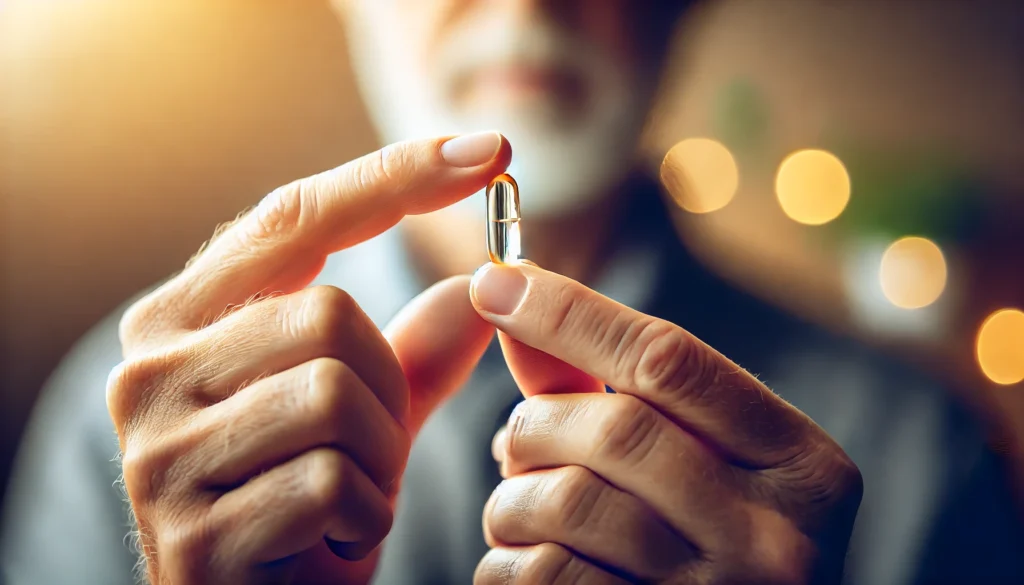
(859, 163)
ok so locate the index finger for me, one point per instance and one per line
(657, 361)
(282, 244)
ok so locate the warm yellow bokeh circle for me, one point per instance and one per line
(1000, 346)
(700, 174)
(913, 272)
(812, 186)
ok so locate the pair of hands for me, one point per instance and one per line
(265, 426)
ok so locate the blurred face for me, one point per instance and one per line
(568, 82)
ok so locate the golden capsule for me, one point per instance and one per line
(503, 241)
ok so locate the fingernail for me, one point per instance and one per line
(499, 288)
(471, 150)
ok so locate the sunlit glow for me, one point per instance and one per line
(1000, 346)
(812, 186)
(913, 273)
(701, 174)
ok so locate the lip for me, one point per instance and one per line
(522, 80)
(518, 76)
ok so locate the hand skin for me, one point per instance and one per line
(263, 425)
(692, 472)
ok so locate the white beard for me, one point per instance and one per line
(562, 160)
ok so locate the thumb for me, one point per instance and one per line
(534, 371)
(438, 339)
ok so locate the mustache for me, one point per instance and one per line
(542, 45)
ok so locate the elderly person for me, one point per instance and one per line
(272, 431)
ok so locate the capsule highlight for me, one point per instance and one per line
(503, 241)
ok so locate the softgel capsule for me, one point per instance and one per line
(503, 240)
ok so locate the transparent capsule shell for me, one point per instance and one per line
(503, 241)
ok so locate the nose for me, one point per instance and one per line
(527, 10)
(525, 5)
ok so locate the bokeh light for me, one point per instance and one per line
(701, 174)
(913, 272)
(812, 186)
(1000, 346)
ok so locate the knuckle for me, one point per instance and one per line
(138, 475)
(854, 479)
(131, 380)
(575, 498)
(394, 455)
(134, 318)
(326, 312)
(374, 171)
(130, 376)
(186, 543)
(146, 467)
(849, 482)
(567, 313)
(119, 394)
(667, 359)
(784, 554)
(517, 431)
(394, 472)
(387, 168)
(820, 479)
(390, 162)
(550, 564)
(325, 477)
(281, 211)
(576, 316)
(329, 380)
(627, 430)
(512, 508)
(383, 521)
(498, 567)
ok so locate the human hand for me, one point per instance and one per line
(692, 472)
(264, 426)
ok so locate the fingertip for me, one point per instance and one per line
(476, 151)
(498, 289)
(504, 157)
(438, 339)
(450, 296)
(434, 173)
(471, 150)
